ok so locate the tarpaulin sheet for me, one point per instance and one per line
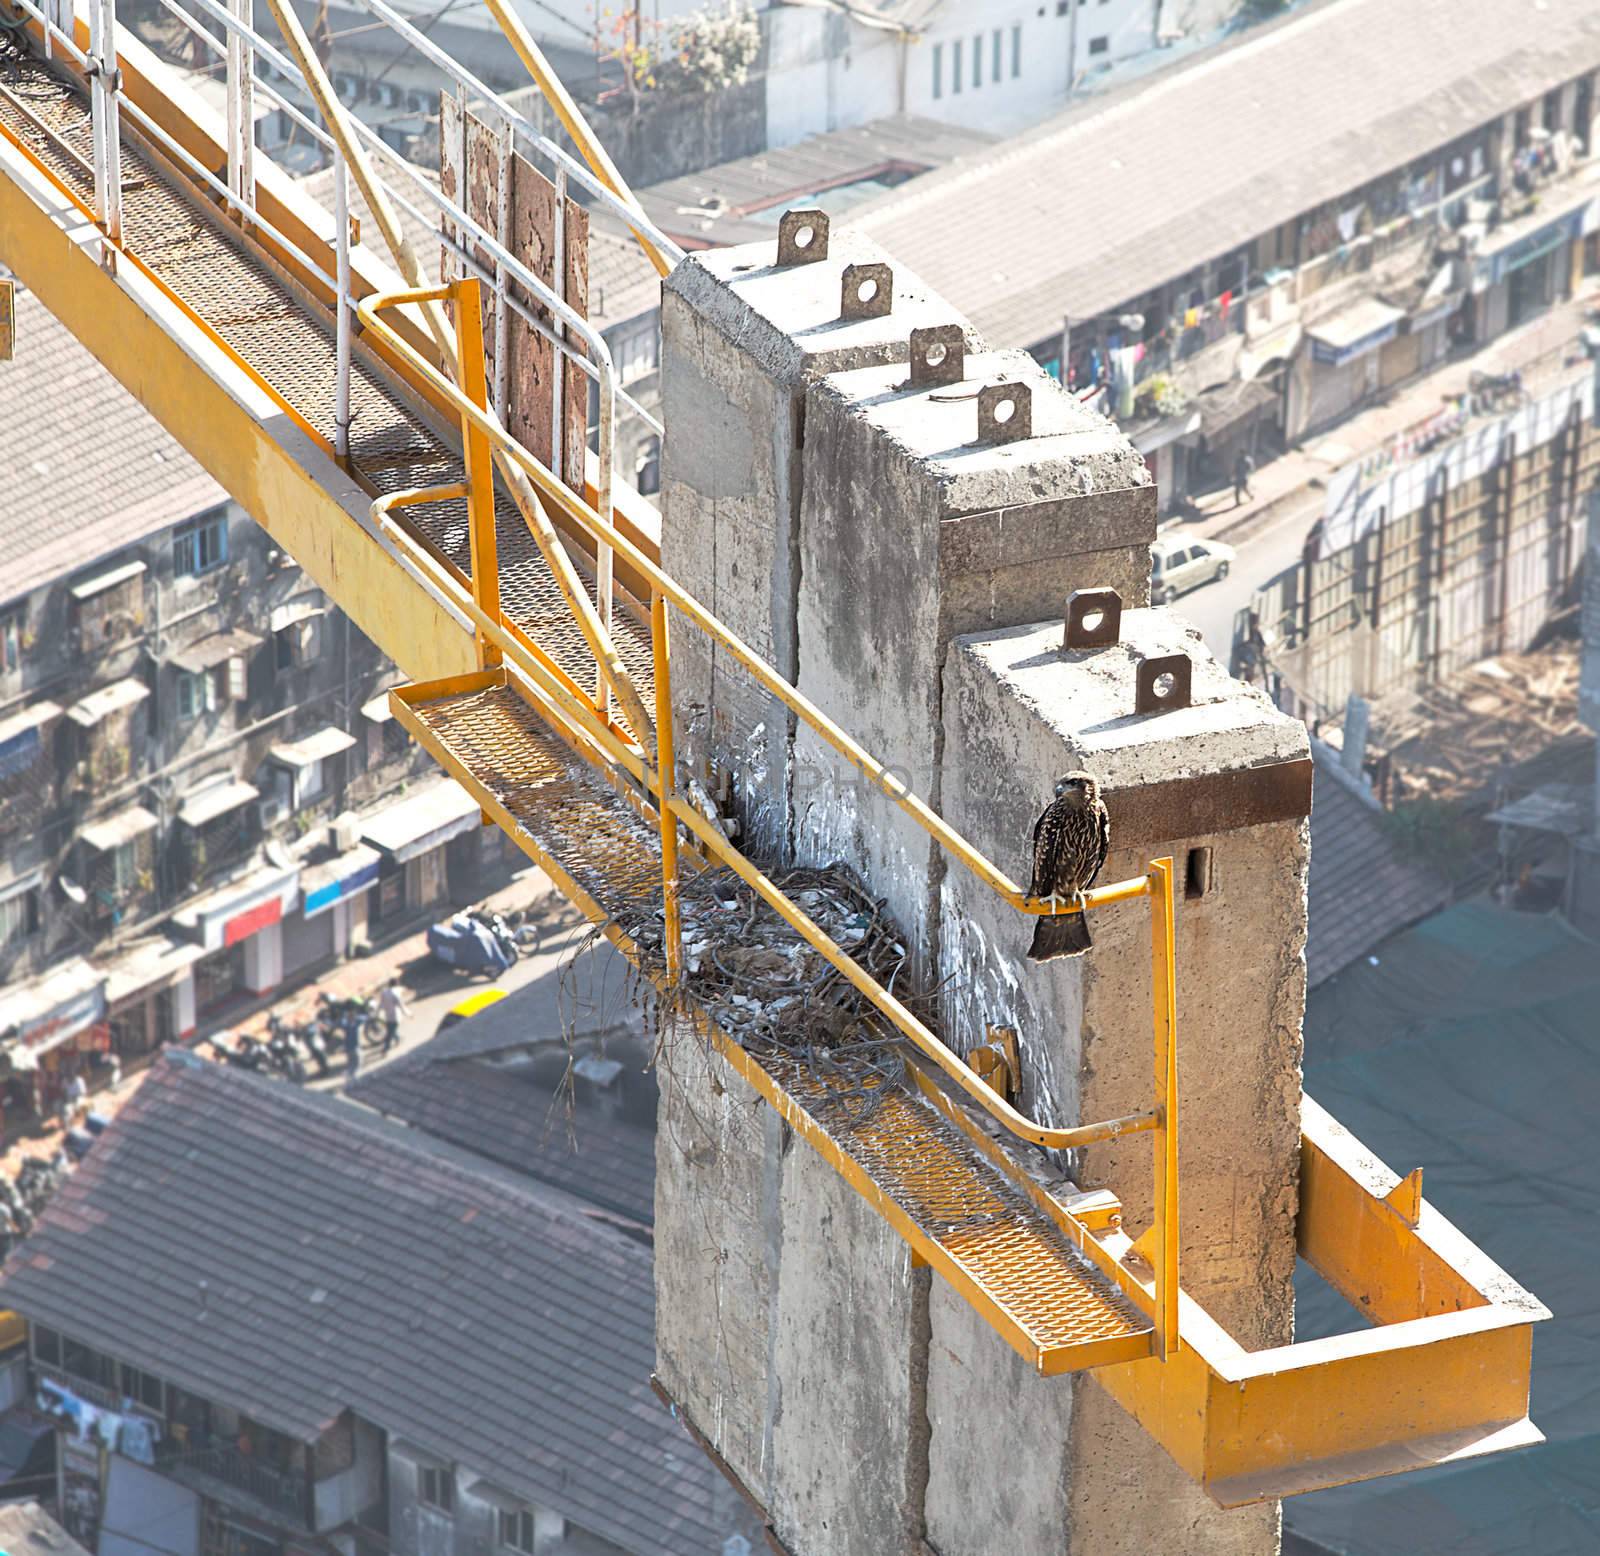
(1472, 1049)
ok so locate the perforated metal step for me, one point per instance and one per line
(953, 1204)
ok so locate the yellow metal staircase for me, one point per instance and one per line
(226, 326)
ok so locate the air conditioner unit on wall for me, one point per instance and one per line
(270, 811)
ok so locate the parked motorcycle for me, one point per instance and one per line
(242, 1051)
(468, 944)
(283, 1050)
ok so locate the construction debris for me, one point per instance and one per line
(1505, 723)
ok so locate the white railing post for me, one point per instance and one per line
(105, 132)
(342, 305)
(241, 107)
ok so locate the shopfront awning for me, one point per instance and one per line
(242, 908)
(347, 875)
(1226, 408)
(20, 740)
(108, 700)
(1277, 345)
(421, 821)
(315, 747)
(378, 709)
(113, 831)
(53, 1007)
(151, 964)
(1149, 436)
(295, 611)
(1354, 331)
(217, 799)
(209, 652)
(90, 587)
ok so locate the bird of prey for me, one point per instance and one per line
(1070, 840)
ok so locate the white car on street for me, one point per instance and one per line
(1178, 565)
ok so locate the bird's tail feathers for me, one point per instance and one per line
(1062, 934)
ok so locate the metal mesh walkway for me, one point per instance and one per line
(955, 1204)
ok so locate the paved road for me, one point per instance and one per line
(1212, 606)
(570, 988)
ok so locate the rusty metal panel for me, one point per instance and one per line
(469, 159)
(1197, 807)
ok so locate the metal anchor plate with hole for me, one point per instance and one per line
(1094, 619)
(802, 237)
(938, 356)
(867, 292)
(1162, 684)
(1005, 413)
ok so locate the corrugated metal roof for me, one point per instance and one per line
(1108, 201)
(1360, 888)
(89, 469)
(294, 1256)
(740, 201)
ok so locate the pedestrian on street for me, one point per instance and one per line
(352, 1048)
(392, 1005)
(1243, 467)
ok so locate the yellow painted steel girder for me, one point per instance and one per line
(266, 463)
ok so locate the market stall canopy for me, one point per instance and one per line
(422, 821)
(315, 747)
(108, 700)
(123, 827)
(217, 799)
(90, 587)
(218, 648)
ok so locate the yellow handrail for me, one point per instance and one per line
(582, 515)
(560, 696)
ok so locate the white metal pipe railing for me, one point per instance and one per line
(570, 335)
(558, 155)
(241, 109)
(341, 225)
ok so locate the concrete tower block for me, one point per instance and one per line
(1223, 786)
(912, 531)
(741, 335)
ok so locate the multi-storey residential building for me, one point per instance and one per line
(1229, 260)
(323, 1333)
(193, 741)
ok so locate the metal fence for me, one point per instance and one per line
(1442, 562)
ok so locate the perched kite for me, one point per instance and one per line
(1070, 841)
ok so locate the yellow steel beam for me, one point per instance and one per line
(239, 434)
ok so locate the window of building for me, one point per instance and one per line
(955, 66)
(938, 70)
(46, 1346)
(977, 62)
(11, 624)
(19, 917)
(197, 693)
(1099, 45)
(299, 643)
(647, 469)
(1063, 6)
(996, 69)
(635, 353)
(516, 1531)
(143, 1388)
(200, 546)
(436, 1487)
(83, 1361)
(1016, 50)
